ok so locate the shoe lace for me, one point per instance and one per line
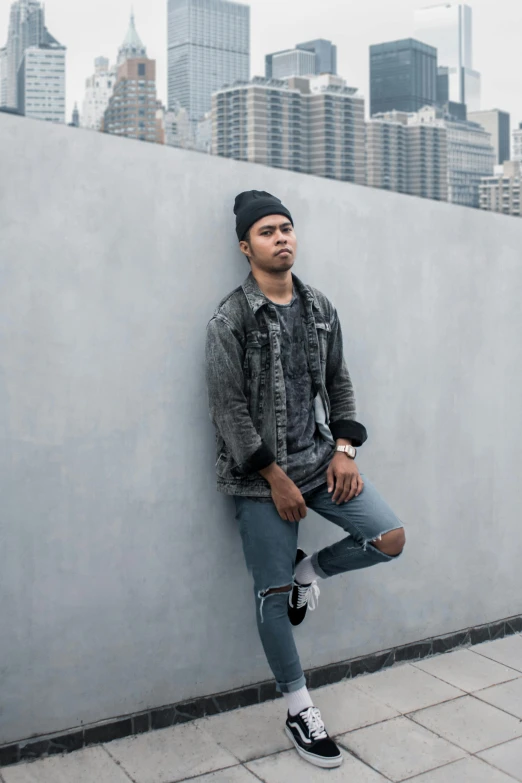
(314, 722)
(308, 594)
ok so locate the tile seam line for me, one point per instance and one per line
(251, 772)
(437, 704)
(446, 764)
(498, 769)
(203, 774)
(470, 647)
(430, 731)
(507, 665)
(455, 744)
(407, 712)
(468, 693)
(501, 709)
(334, 737)
(416, 774)
(364, 762)
(118, 764)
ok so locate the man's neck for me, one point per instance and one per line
(277, 287)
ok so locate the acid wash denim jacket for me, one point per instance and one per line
(246, 388)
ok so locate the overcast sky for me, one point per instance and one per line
(90, 28)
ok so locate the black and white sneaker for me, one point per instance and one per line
(301, 596)
(311, 740)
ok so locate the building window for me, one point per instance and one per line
(141, 69)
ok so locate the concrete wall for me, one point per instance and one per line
(122, 580)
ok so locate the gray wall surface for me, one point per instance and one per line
(122, 580)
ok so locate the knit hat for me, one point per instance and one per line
(252, 205)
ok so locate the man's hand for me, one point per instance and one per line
(343, 476)
(287, 498)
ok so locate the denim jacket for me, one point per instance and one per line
(246, 388)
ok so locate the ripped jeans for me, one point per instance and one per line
(270, 545)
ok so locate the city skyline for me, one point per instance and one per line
(275, 27)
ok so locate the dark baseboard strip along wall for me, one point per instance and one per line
(253, 694)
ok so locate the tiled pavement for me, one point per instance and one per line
(453, 718)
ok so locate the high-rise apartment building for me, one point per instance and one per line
(497, 123)
(133, 106)
(406, 157)
(41, 82)
(325, 58)
(3, 76)
(98, 90)
(309, 124)
(517, 143)
(334, 114)
(208, 47)
(448, 27)
(501, 192)
(260, 121)
(403, 76)
(470, 154)
(294, 62)
(386, 152)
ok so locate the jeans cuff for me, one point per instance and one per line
(290, 687)
(317, 568)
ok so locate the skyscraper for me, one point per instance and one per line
(496, 123)
(132, 107)
(325, 57)
(294, 62)
(208, 47)
(132, 46)
(517, 143)
(448, 27)
(403, 76)
(325, 52)
(26, 28)
(41, 82)
(458, 110)
(98, 90)
(3, 76)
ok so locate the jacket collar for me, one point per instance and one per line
(256, 298)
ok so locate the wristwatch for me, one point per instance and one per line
(350, 451)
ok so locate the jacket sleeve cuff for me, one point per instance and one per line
(350, 430)
(260, 459)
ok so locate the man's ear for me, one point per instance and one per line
(245, 249)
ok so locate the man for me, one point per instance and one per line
(283, 405)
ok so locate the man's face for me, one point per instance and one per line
(268, 238)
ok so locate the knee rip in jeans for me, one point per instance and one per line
(399, 530)
(264, 594)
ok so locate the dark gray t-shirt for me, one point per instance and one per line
(308, 453)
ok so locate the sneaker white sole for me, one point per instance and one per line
(326, 763)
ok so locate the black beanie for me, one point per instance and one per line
(252, 205)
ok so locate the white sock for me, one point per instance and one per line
(305, 573)
(297, 701)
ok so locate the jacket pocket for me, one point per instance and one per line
(323, 329)
(257, 351)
